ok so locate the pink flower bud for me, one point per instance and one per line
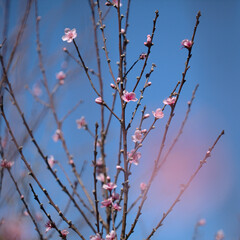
(122, 31)
(148, 43)
(99, 100)
(112, 86)
(187, 44)
(147, 115)
(143, 186)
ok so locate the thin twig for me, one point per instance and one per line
(184, 187)
(26, 206)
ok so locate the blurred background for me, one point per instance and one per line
(214, 194)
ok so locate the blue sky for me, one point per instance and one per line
(214, 194)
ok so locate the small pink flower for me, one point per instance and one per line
(115, 196)
(170, 101)
(116, 207)
(202, 222)
(220, 235)
(134, 157)
(143, 56)
(187, 44)
(69, 35)
(81, 122)
(37, 91)
(57, 135)
(143, 187)
(106, 202)
(99, 100)
(100, 177)
(49, 225)
(111, 236)
(118, 80)
(51, 161)
(122, 31)
(127, 97)
(6, 164)
(96, 237)
(109, 186)
(158, 113)
(61, 76)
(148, 43)
(149, 84)
(64, 233)
(137, 137)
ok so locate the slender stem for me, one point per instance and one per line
(184, 188)
(180, 130)
(26, 205)
(148, 52)
(95, 177)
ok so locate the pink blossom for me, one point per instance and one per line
(122, 31)
(111, 236)
(6, 164)
(96, 237)
(148, 43)
(202, 222)
(69, 35)
(81, 122)
(118, 80)
(134, 157)
(106, 202)
(143, 187)
(149, 84)
(109, 186)
(220, 235)
(49, 225)
(64, 233)
(158, 113)
(170, 101)
(57, 135)
(187, 44)
(115, 196)
(51, 161)
(61, 76)
(99, 100)
(37, 91)
(116, 207)
(137, 137)
(100, 177)
(127, 97)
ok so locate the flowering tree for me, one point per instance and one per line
(102, 210)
